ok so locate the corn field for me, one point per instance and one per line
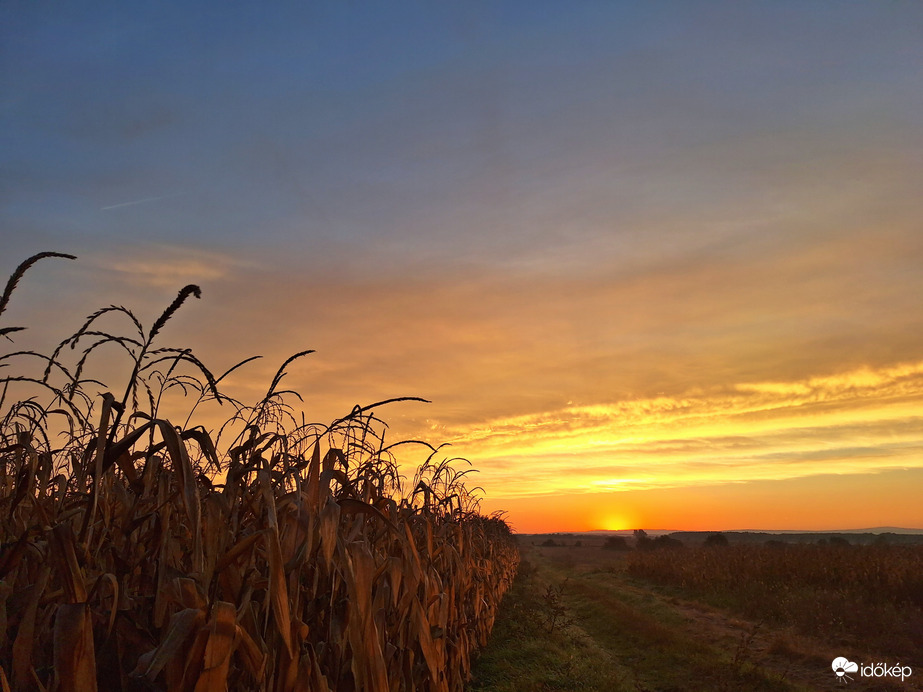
(267, 554)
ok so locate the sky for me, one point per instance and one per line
(654, 265)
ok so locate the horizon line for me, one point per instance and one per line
(874, 529)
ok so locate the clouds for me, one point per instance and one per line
(783, 310)
(467, 134)
(852, 422)
(165, 267)
(700, 228)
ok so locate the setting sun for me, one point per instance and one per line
(616, 523)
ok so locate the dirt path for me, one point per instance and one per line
(780, 655)
(664, 643)
(787, 655)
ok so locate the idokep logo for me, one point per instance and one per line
(842, 666)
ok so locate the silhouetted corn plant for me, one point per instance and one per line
(140, 555)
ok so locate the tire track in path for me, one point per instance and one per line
(664, 643)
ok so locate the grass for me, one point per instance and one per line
(265, 554)
(530, 650)
(628, 631)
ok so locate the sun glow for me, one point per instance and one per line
(616, 523)
(856, 422)
(624, 459)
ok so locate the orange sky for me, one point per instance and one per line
(654, 266)
(579, 418)
(821, 503)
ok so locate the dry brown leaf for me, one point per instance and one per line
(74, 655)
(222, 640)
(329, 525)
(278, 591)
(179, 629)
(62, 536)
(250, 653)
(25, 637)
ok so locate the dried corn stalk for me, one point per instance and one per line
(136, 555)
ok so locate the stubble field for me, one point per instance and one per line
(737, 617)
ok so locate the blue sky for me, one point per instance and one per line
(515, 209)
(370, 125)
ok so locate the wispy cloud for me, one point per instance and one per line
(169, 267)
(857, 421)
(146, 200)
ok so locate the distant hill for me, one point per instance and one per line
(876, 530)
(905, 537)
(660, 532)
(885, 534)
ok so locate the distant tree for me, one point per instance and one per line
(716, 540)
(662, 542)
(616, 543)
(549, 543)
(642, 540)
(838, 540)
(645, 542)
(578, 544)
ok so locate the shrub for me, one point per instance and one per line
(616, 543)
(716, 540)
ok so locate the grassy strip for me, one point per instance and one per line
(597, 628)
(532, 650)
(658, 645)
